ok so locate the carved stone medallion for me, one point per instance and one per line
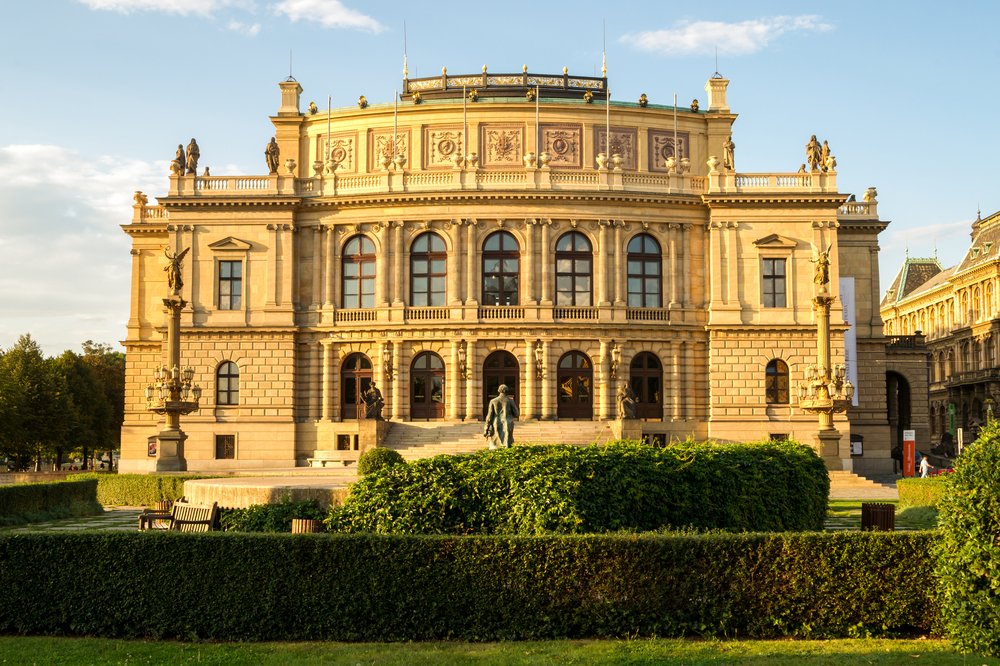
(564, 145)
(441, 144)
(661, 146)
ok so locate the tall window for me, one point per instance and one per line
(501, 269)
(644, 273)
(574, 269)
(427, 271)
(359, 273)
(227, 381)
(774, 283)
(776, 382)
(230, 285)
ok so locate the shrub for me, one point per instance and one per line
(33, 502)
(137, 489)
(968, 559)
(378, 458)
(921, 492)
(270, 517)
(227, 586)
(569, 490)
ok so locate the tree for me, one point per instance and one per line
(90, 413)
(109, 367)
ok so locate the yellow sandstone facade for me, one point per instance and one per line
(477, 232)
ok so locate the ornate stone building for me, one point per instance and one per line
(953, 316)
(477, 232)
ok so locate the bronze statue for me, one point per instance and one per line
(193, 154)
(500, 420)
(173, 269)
(822, 276)
(694, 105)
(313, 109)
(643, 100)
(271, 154)
(374, 402)
(812, 153)
(729, 154)
(178, 163)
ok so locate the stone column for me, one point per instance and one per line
(548, 382)
(546, 263)
(528, 408)
(732, 270)
(326, 377)
(272, 268)
(675, 381)
(383, 268)
(317, 267)
(689, 409)
(603, 380)
(397, 275)
(471, 243)
(619, 264)
(715, 238)
(528, 294)
(134, 322)
(602, 263)
(453, 280)
(315, 375)
(454, 381)
(684, 279)
(675, 270)
(331, 266)
(397, 380)
(473, 383)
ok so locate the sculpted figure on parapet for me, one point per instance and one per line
(193, 155)
(813, 153)
(271, 154)
(178, 164)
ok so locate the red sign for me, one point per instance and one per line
(909, 453)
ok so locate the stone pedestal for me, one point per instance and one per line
(371, 434)
(170, 451)
(627, 429)
(828, 448)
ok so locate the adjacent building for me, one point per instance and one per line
(489, 229)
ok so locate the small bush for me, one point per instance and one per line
(137, 489)
(570, 490)
(270, 517)
(33, 502)
(968, 559)
(921, 492)
(377, 459)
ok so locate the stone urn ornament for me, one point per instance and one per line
(544, 158)
(457, 160)
(602, 161)
(290, 166)
(671, 164)
(616, 162)
(473, 160)
(386, 161)
(400, 160)
(529, 160)
(713, 164)
(317, 167)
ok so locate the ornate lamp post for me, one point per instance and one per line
(173, 391)
(825, 390)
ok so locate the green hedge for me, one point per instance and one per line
(921, 492)
(32, 502)
(375, 459)
(226, 586)
(768, 486)
(270, 517)
(138, 489)
(968, 559)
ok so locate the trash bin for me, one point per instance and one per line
(306, 526)
(878, 517)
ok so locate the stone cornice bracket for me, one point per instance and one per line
(605, 223)
(173, 227)
(732, 225)
(393, 224)
(817, 225)
(500, 223)
(833, 225)
(645, 225)
(573, 224)
(134, 252)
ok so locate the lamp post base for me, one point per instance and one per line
(828, 447)
(170, 452)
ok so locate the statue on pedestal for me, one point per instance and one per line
(813, 153)
(173, 269)
(193, 155)
(271, 154)
(822, 276)
(374, 402)
(500, 420)
(178, 164)
(627, 400)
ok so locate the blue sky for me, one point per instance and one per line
(98, 93)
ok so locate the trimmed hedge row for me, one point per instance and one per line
(226, 586)
(138, 489)
(270, 517)
(31, 502)
(921, 492)
(766, 486)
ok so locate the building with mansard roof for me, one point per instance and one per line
(490, 229)
(952, 314)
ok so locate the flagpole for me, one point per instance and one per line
(329, 99)
(677, 155)
(395, 110)
(607, 90)
(538, 128)
(465, 123)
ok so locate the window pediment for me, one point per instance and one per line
(230, 244)
(775, 242)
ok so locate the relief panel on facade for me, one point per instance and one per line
(441, 144)
(623, 142)
(341, 150)
(504, 145)
(661, 146)
(380, 146)
(564, 144)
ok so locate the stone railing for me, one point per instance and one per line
(427, 314)
(906, 341)
(501, 312)
(859, 210)
(576, 312)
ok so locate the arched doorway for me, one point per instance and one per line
(427, 386)
(501, 367)
(355, 378)
(646, 380)
(576, 382)
(898, 407)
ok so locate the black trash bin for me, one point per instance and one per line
(878, 516)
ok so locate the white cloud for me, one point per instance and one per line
(182, 7)
(250, 30)
(328, 13)
(742, 38)
(66, 269)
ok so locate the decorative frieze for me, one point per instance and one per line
(441, 144)
(661, 147)
(623, 142)
(504, 145)
(338, 150)
(381, 147)
(564, 144)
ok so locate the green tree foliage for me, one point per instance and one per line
(109, 366)
(375, 459)
(968, 556)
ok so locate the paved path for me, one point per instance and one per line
(114, 519)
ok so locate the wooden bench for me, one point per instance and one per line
(183, 517)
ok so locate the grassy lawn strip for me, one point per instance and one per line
(847, 512)
(47, 650)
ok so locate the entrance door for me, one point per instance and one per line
(500, 368)
(427, 387)
(576, 382)
(646, 380)
(355, 378)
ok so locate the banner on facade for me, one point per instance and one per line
(909, 453)
(851, 334)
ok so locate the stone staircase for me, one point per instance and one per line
(848, 485)
(418, 439)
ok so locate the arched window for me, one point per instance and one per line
(227, 383)
(428, 272)
(358, 280)
(501, 269)
(574, 270)
(355, 378)
(645, 284)
(776, 382)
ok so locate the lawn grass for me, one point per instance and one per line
(846, 514)
(47, 650)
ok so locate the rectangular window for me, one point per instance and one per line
(773, 272)
(230, 285)
(225, 447)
